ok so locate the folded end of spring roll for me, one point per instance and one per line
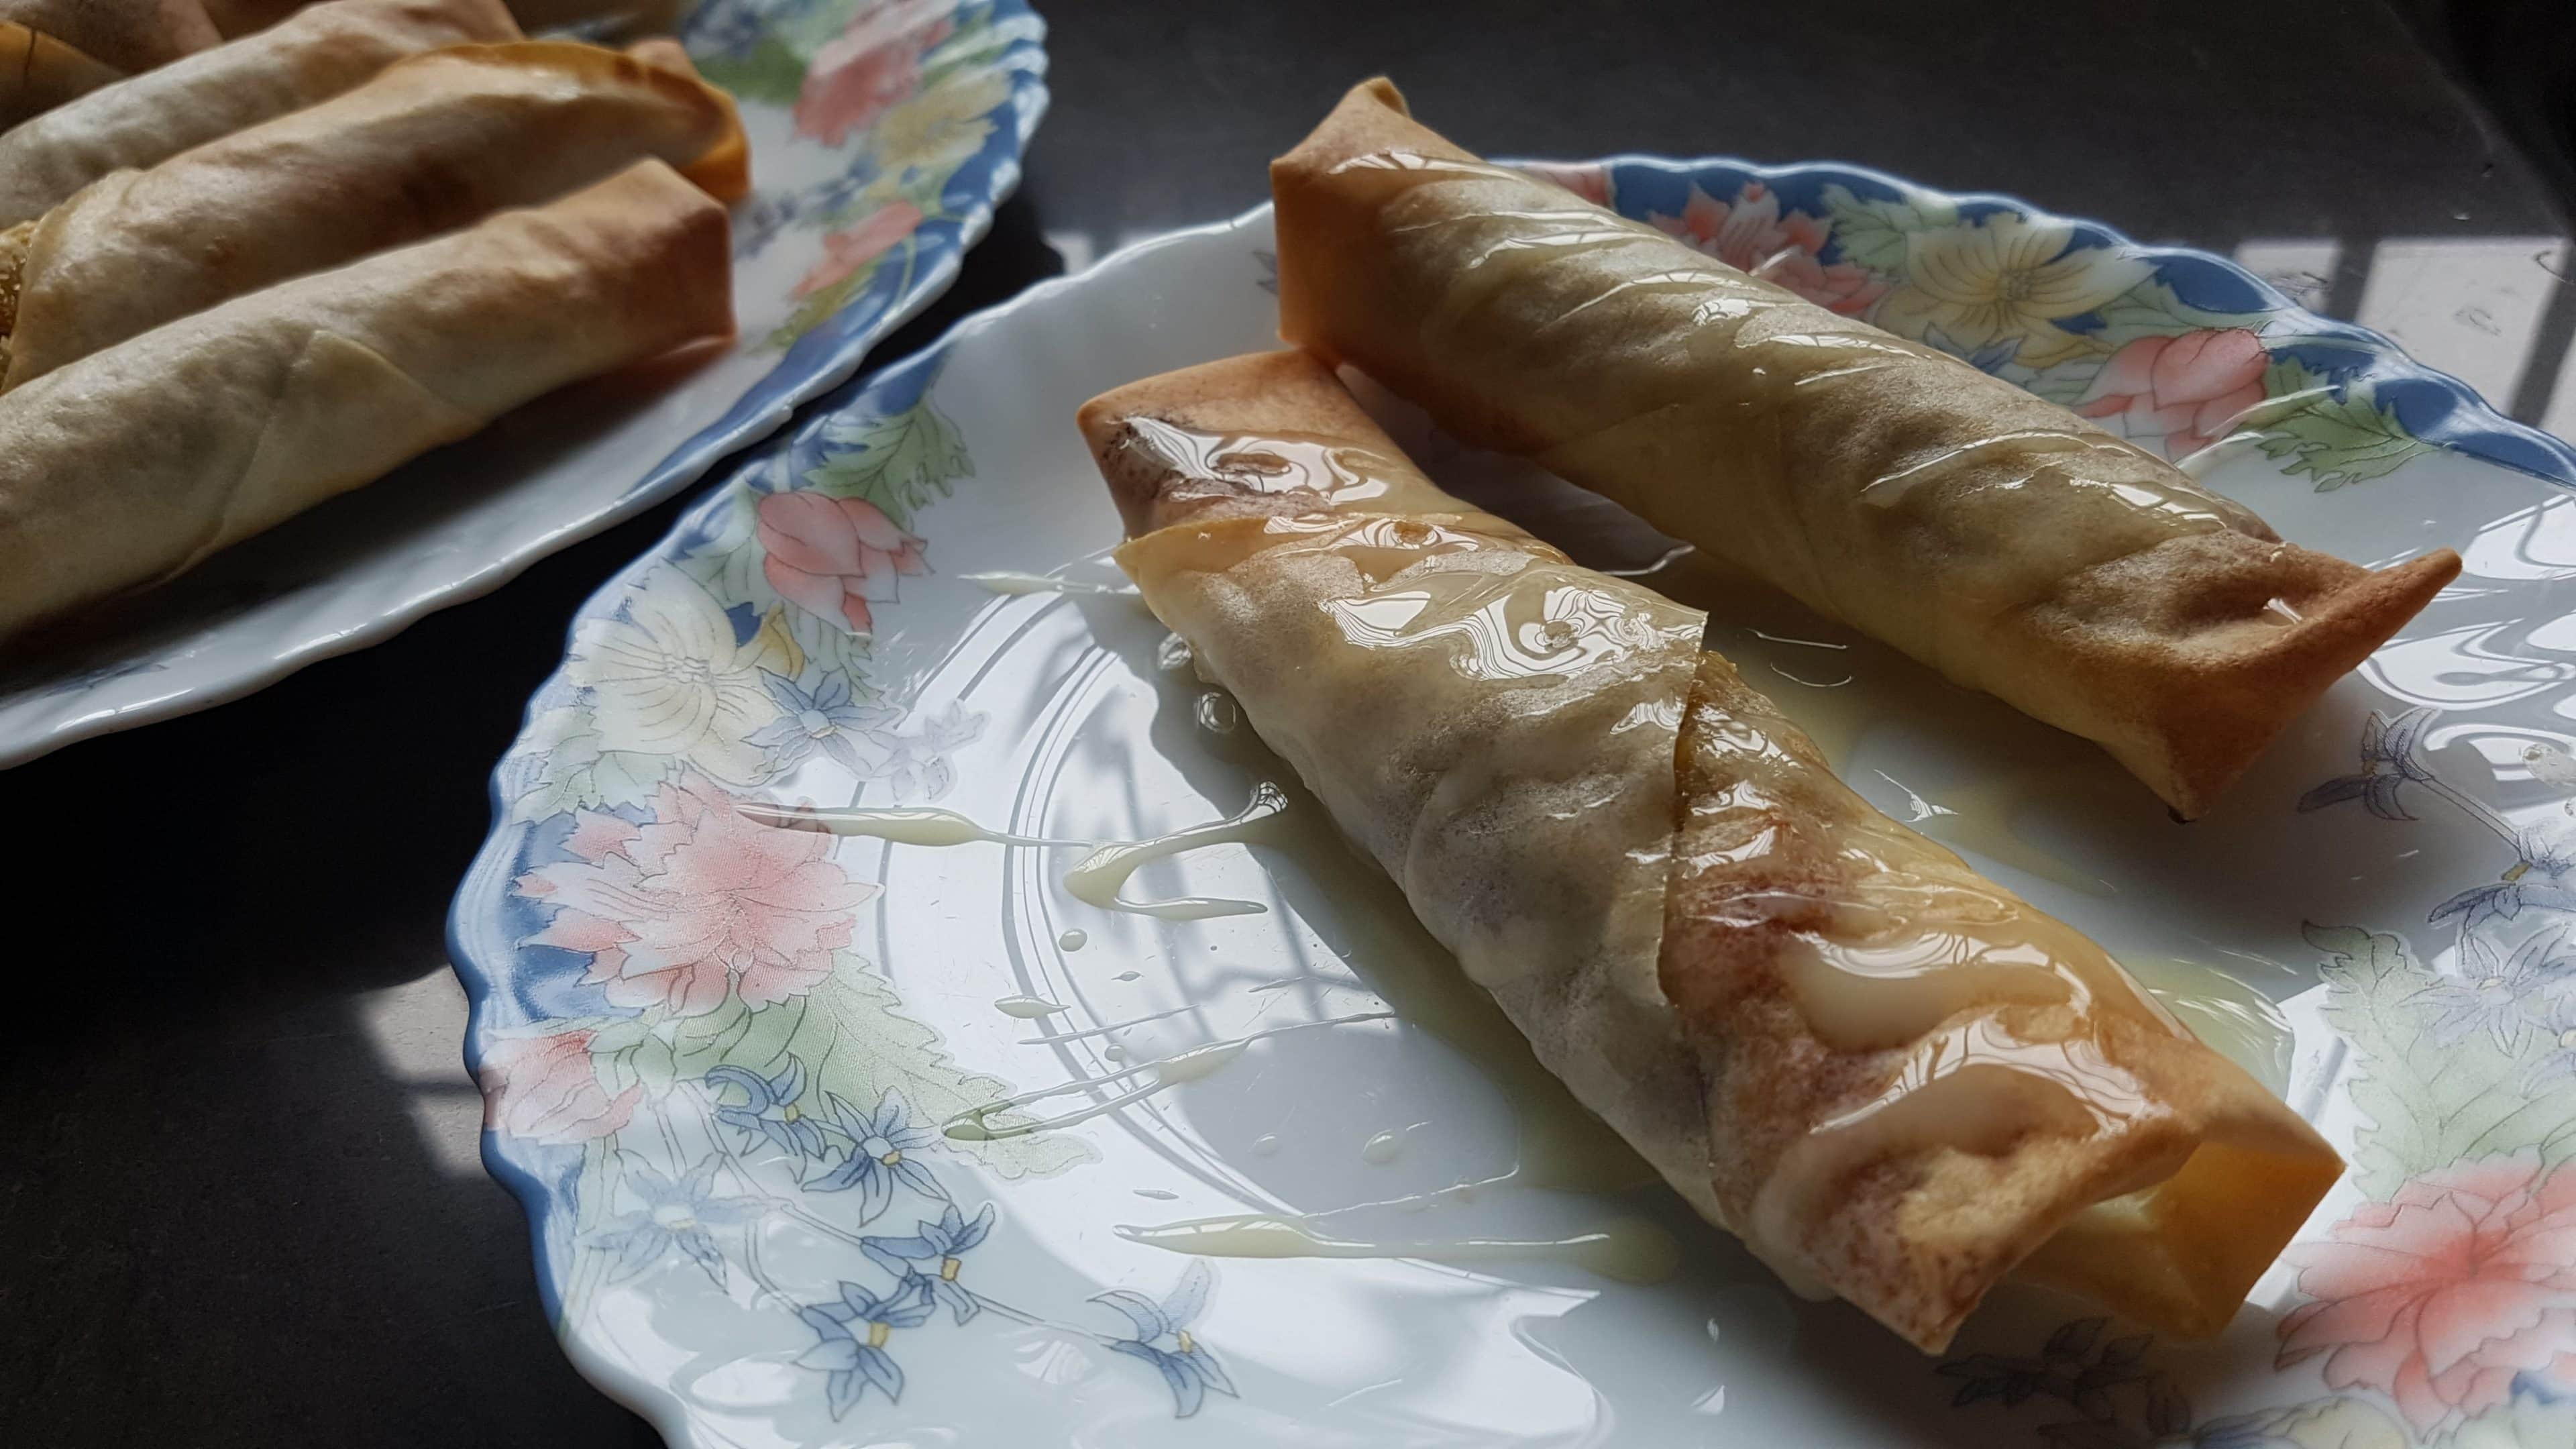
(1880, 481)
(721, 164)
(38, 73)
(135, 463)
(1895, 1080)
(2187, 660)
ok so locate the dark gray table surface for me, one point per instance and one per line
(240, 1203)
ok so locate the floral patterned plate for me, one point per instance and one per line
(883, 132)
(832, 1141)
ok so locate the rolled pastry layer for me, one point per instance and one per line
(1986, 532)
(38, 73)
(311, 56)
(433, 143)
(1894, 1079)
(135, 463)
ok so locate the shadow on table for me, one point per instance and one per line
(242, 1205)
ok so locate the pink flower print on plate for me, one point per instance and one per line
(696, 903)
(544, 1089)
(2444, 1295)
(2183, 389)
(1754, 235)
(832, 557)
(871, 67)
(846, 251)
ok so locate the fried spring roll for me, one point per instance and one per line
(135, 463)
(1894, 1079)
(311, 56)
(433, 143)
(1988, 533)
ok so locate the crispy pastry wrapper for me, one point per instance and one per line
(1895, 1080)
(1988, 533)
(434, 143)
(310, 56)
(135, 463)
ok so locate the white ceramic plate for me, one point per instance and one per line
(720, 1057)
(883, 132)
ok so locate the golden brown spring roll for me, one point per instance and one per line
(1988, 533)
(130, 35)
(134, 464)
(1894, 1079)
(38, 73)
(431, 144)
(312, 56)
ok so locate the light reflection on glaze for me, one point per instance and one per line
(1098, 878)
(1577, 627)
(1628, 1250)
(1887, 488)
(1270, 462)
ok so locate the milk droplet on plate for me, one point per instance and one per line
(1266, 1145)
(1072, 940)
(1383, 1148)
(1127, 976)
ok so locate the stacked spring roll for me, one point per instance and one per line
(133, 463)
(431, 144)
(1985, 532)
(309, 57)
(1894, 1079)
